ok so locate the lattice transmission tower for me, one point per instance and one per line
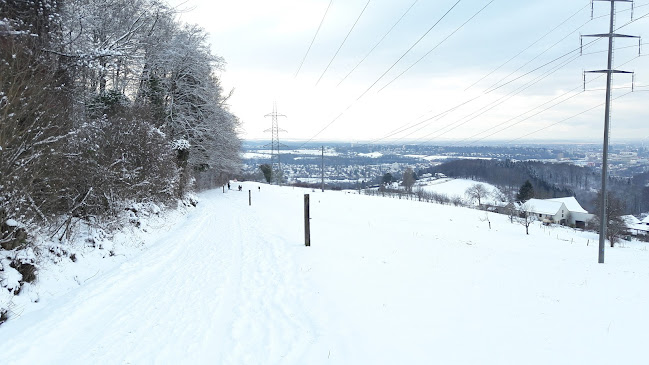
(276, 164)
(607, 115)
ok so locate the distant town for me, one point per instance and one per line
(348, 165)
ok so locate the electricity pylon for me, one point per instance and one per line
(276, 174)
(607, 116)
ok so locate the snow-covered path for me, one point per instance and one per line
(214, 291)
(386, 281)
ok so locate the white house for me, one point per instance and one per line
(559, 210)
(578, 216)
(547, 210)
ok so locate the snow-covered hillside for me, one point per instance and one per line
(386, 281)
(457, 188)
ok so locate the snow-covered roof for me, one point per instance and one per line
(629, 219)
(540, 206)
(571, 204)
(632, 222)
(638, 227)
(646, 220)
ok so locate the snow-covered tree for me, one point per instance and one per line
(34, 106)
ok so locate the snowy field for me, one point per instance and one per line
(456, 187)
(386, 281)
(312, 152)
(446, 157)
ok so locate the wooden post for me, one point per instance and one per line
(307, 223)
(224, 189)
(249, 198)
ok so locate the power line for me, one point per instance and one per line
(528, 47)
(405, 127)
(526, 118)
(314, 37)
(380, 77)
(616, 49)
(552, 46)
(484, 93)
(438, 44)
(590, 43)
(440, 115)
(344, 40)
(510, 126)
(409, 49)
(378, 43)
(497, 102)
(497, 86)
(576, 115)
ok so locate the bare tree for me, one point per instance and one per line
(615, 226)
(408, 179)
(525, 217)
(486, 219)
(511, 211)
(477, 192)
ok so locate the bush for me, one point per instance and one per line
(119, 160)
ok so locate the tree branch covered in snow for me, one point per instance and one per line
(95, 97)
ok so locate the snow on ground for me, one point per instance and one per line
(371, 154)
(314, 152)
(456, 187)
(316, 180)
(254, 155)
(386, 281)
(446, 157)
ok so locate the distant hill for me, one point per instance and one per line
(550, 180)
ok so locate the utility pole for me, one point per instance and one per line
(322, 169)
(276, 165)
(607, 116)
(307, 221)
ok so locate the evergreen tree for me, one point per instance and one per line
(526, 192)
(268, 171)
(387, 178)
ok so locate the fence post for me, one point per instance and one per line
(249, 198)
(307, 223)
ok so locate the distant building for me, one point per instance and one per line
(578, 216)
(636, 226)
(559, 210)
(545, 210)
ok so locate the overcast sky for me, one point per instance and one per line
(264, 42)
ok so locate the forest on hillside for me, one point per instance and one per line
(102, 103)
(552, 180)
